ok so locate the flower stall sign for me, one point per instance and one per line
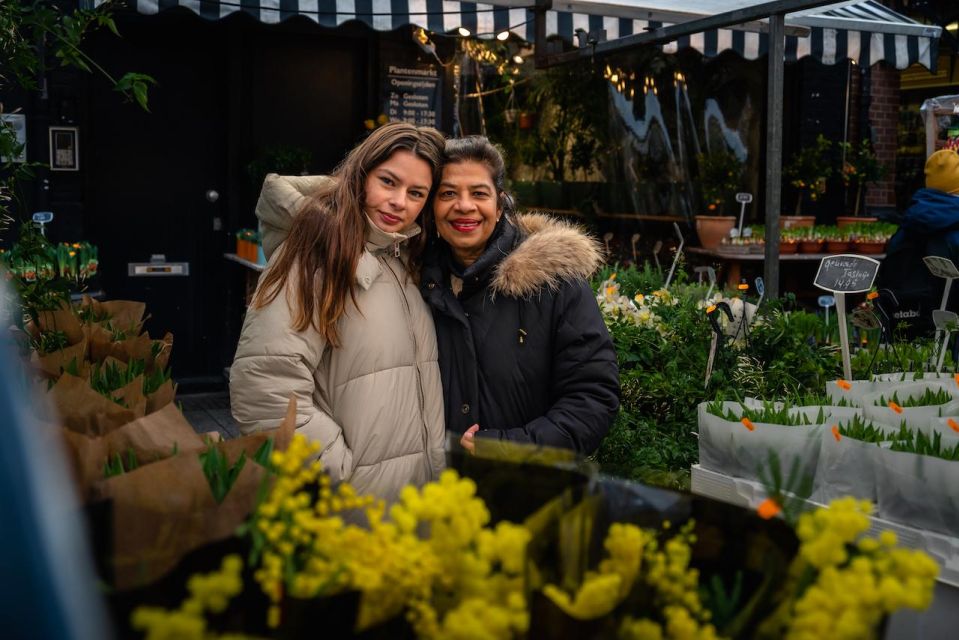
(842, 274)
(743, 199)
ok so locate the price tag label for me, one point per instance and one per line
(865, 319)
(744, 198)
(760, 286)
(827, 301)
(945, 320)
(846, 273)
(938, 266)
(43, 217)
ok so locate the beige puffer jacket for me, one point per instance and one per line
(375, 404)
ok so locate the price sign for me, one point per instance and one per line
(827, 301)
(744, 198)
(946, 322)
(43, 217)
(846, 273)
(938, 266)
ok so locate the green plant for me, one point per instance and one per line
(115, 465)
(919, 443)
(720, 177)
(221, 475)
(859, 428)
(860, 168)
(285, 160)
(809, 169)
(768, 414)
(926, 399)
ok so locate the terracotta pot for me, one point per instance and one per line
(525, 120)
(870, 247)
(788, 247)
(845, 221)
(712, 229)
(791, 222)
(835, 246)
(810, 246)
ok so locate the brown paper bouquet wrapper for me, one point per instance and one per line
(164, 510)
(84, 410)
(124, 315)
(63, 319)
(53, 364)
(151, 439)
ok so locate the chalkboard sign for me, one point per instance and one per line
(941, 267)
(846, 273)
(412, 93)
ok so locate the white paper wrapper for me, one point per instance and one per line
(876, 408)
(730, 447)
(948, 426)
(846, 467)
(919, 491)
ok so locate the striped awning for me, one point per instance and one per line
(864, 30)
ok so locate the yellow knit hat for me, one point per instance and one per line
(942, 171)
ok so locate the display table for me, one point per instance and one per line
(733, 260)
(939, 621)
(253, 271)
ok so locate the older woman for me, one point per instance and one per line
(337, 319)
(524, 353)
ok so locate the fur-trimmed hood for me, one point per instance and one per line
(553, 251)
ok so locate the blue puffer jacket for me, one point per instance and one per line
(929, 227)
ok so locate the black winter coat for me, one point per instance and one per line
(523, 349)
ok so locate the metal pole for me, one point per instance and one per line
(774, 150)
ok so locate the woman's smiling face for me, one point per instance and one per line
(396, 191)
(466, 208)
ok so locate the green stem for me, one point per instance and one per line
(83, 55)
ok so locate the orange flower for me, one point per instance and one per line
(872, 295)
(956, 378)
(845, 386)
(895, 407)
(835, 433)
(953, 425)
(768, 509)
(712, 308)
(743, 287)
(748, 424)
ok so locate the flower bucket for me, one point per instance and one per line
(788, 248)
(810, 246)
(920, 491)
(742, 450)
(869, 247)
(846, 467)
(878, 406)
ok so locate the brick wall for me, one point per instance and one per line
(883, 123)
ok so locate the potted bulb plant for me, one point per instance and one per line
(861, 167)
(808, 172)
(720, 174)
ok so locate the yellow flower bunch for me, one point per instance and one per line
(856, 580)
(636, 554)
(211, 592)
(479, 592)
(460, 578)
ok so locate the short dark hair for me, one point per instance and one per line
(480, 149)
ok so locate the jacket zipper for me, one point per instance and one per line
(416, 366)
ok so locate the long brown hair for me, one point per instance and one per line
(329, 232)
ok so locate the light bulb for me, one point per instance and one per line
(463, 31)
(502, 36)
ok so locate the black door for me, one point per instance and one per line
(148, 175)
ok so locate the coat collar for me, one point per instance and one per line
(378, 241)
(553, 252)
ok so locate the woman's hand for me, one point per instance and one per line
(467, 440)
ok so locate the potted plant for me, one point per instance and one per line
(810, 240)
(837, 240)
(720, 174)
(789, 240)
(872, 238)
(807, 172)
(861, 167)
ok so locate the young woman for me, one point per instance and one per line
(337, 319)
(524, 353)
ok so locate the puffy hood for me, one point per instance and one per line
(281, 199)
(931, 211)
(552, 252)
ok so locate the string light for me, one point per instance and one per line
(502, 36)
(463, 31)
(518, 59)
